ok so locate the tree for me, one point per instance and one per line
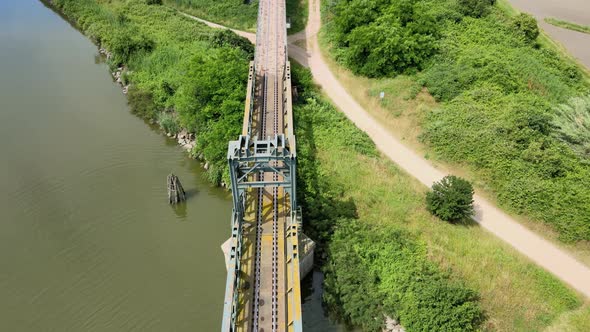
(383, 38)
(527, 26)
(451, 199)
(475, 8)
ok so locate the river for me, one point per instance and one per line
(88, 241)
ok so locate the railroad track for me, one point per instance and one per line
(264, 306)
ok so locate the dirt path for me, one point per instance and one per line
(248, 35)
(541, 251)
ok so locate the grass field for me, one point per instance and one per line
(568, 25)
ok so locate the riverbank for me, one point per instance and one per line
(181, 75)
(88, 241)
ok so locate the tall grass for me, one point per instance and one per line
(568, 25)
(573, 122)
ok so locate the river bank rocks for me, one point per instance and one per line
(392, 325)
(103, 51)
(118, 77)
(186, 140)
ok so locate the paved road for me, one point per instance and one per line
(576, 11)
(541, 251)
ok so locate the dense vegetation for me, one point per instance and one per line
(377, 38)
(451, 199)
(370, 271)
(499, 90)
(182, 73)
(357, 205)
(572, 121)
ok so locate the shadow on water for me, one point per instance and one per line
(191, 193)
(180, 210)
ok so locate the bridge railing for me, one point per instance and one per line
(231, 301)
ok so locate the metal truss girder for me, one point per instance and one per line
(246, 149)
(230, 303)
(262, 184)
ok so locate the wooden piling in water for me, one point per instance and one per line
(175, 191)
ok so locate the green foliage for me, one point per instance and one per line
(210, 102)
(385, 271)
(153, 2)
(177, 64)
(499, 91)
(378, 38)
(297, 14)
(475, 8)
(451, 199)
(124, 42)
(238, 14)
(142, 103)
(370, 271)
(499, 117)
(572, 121)
(168, 122)
(527, 26)
(227, 37)
(490, 51)
(508, 139)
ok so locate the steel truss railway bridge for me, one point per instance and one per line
(265, 250)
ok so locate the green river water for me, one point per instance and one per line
(87, 239)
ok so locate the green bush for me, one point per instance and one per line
(168, 123)
(226, 37)
(475, 8)
(153, 2)
(125, 42)
(141, 103)
(384, 38)
(451, 199)
(527, 26)
(572, 121)
(386, 271)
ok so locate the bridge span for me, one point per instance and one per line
(267, 249)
